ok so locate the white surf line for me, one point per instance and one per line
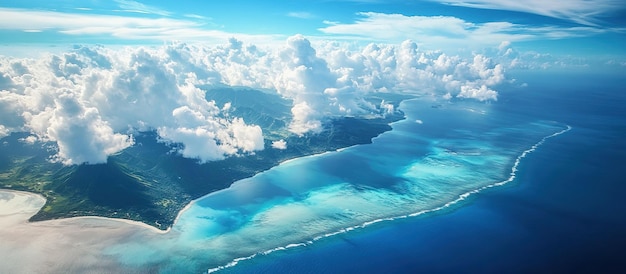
(461, 197)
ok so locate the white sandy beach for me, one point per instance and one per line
(58, 246)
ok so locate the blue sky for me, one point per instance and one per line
(575, 27)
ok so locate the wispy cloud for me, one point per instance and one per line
(196, 16)
(116, 27)
(360, 1)
(301, 14)
(84, 23)
(586, 12)
(446, 31)
(136, 7)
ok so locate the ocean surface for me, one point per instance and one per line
(563, 213)
(530, 183)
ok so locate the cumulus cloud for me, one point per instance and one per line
(214, 142)
(316, 90)
(387, 107)
(4, 132)
(508, 57)
(279, 144)
(91, 100)
(208, 138)
(29, 139)
(481, 93)
(80, 133)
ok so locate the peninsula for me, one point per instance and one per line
(150, 184)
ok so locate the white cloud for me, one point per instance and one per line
(210, 139)
(279, 144)
(31, 139)
(207, 143)
(118, 27)
(586, 12)
(199, 143)
(91, 99)
(305, 119)
(4, 132)
(80, 23)
(134, 6)
(304, 78)
(196, 16)
(447, 32)
(332, 80)
(387, 107)
(248, 138)
(88, 101)
(481, 93)
(508, 57)
(504, 45)
(80, 133)
(301, 14)
(143, 23)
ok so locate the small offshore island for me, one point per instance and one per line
(150, 184)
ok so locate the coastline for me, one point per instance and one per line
(183, 193)
(286, 162)
(28, 211)
(99, 218)
(449, 204)
(105, 222)
(110, 222)
(67, 232)
(8, 190)
(401, 117)
(132, 225)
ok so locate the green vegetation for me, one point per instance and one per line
(149, 183)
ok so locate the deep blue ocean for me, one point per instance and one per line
(565, 212)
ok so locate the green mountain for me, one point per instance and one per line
(149, 183)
